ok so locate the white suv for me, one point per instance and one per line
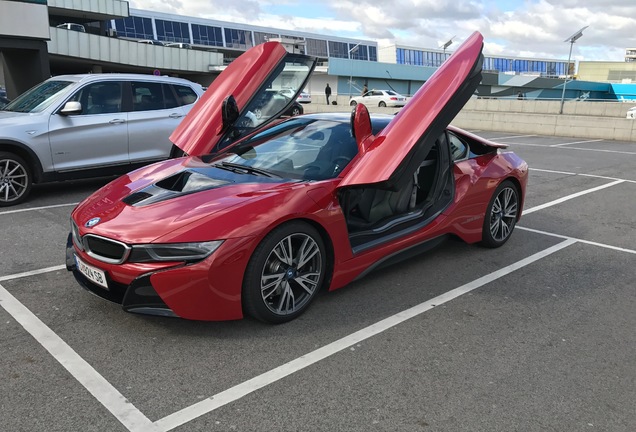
(78, 126)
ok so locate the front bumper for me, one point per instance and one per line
(138, 297)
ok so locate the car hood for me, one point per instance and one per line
(10, 118)
(151, 203)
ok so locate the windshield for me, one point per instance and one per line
(299, 148)
(38, 98)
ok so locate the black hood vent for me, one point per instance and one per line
(179, 184)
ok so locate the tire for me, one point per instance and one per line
(272, 275)
(501, 215)
(382, 104)
(15, 179)
(353, 103)
(296, 111)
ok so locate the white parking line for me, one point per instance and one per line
(576, 142)
(569, 197)
(102, 390)
(32, 273)
(36, 208)
(241, 390)
(600, 150)
(568, 148)
(514, 136)
(582, 175)
(561, 236)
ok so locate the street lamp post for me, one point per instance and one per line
(571, 39)
(352, 50)
(446, 45)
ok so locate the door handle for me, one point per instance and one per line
(117, 121)
(175, 115)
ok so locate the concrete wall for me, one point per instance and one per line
(113, 50)
(585, 120)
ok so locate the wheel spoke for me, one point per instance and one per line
(307, 284)
(307, 251)
(267, 289)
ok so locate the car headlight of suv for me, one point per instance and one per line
(173, 251)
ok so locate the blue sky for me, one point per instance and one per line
(530, 28)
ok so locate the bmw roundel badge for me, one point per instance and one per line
(92, 222)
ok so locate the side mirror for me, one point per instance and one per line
(71, 108)
(361, 126)
(229, 112)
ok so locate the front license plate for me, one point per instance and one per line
(92, 273)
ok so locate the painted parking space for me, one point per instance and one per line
(422, 371)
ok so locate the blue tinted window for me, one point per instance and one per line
(238, 38)
(338, 49)
(171, 31)
(373, 54)
(207, 35)
(135, 27)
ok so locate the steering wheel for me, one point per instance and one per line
(339, 163)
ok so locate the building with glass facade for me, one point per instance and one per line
(232, 37)
(548, 68)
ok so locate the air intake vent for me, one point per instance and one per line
(136, 197)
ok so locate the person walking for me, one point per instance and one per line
(327, 93)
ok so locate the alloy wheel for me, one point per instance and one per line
(503, 214)
(291, 274)
(14, 180)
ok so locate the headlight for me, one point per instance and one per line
(173, 251)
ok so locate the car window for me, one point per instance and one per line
(185, 95)
(39, 97)
(377, 93)
(458, 148)
(169, 96)
(99, 98)
(300, 148)
(147, 96)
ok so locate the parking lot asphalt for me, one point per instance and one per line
(534, 336)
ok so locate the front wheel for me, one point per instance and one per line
(284, 274)
(353, 103)
(15, 179)
(382, 104)
(501, 215)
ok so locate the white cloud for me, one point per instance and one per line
(535, 28)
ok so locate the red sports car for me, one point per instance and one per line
(265, 212)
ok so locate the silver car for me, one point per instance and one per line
(79, 126)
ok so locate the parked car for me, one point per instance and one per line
(87, 126)
(303, 97)
(73, 27)
(270, 102)
(259, 225)
(179, 45)
(151, 42)
(3, 101)
(381, 98)
(631, 113)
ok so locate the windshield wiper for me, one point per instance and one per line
(243, 169)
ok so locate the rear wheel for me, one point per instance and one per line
(501, 215)
(296, 111)
(284, 274)
(15, 179)
(382, 104)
